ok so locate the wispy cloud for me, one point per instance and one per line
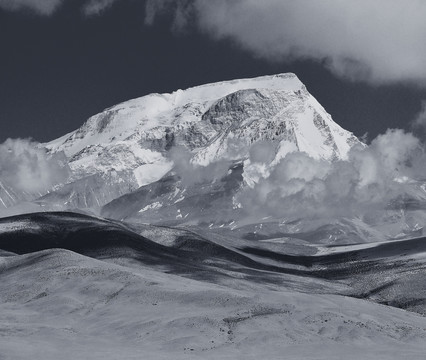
(97, 7)
(48, 7)
(28, 167)
(419, 122)
(378, 41)
(192, 173)
(43, 7)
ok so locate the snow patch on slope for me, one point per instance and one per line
(149, 173)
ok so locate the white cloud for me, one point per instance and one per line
(48, 7)
(298, 186)
(97, 7)
(302, 187)
(380, 41)
(192, 173)
(43, 7)
(419, 122)
(27, 167)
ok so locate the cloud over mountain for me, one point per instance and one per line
(27, 167)
(299, 186)
(48, 7)
(379, 41)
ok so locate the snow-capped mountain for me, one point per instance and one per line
(127, 146)
(269, 107)
(126, 162)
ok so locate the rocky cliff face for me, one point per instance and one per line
(280, 117)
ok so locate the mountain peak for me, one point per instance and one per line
(283, 81)
(127, 145)
(149, 112)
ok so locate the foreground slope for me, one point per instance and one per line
(72, 306)
(76, 286)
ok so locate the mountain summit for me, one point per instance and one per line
(271, 108)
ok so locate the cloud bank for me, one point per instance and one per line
(27, 167)
(371, 181)
(373, 177)
(380, 41)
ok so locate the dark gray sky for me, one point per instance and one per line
(60, 67)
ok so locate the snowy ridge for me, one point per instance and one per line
(149, 117)
(148, 112)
